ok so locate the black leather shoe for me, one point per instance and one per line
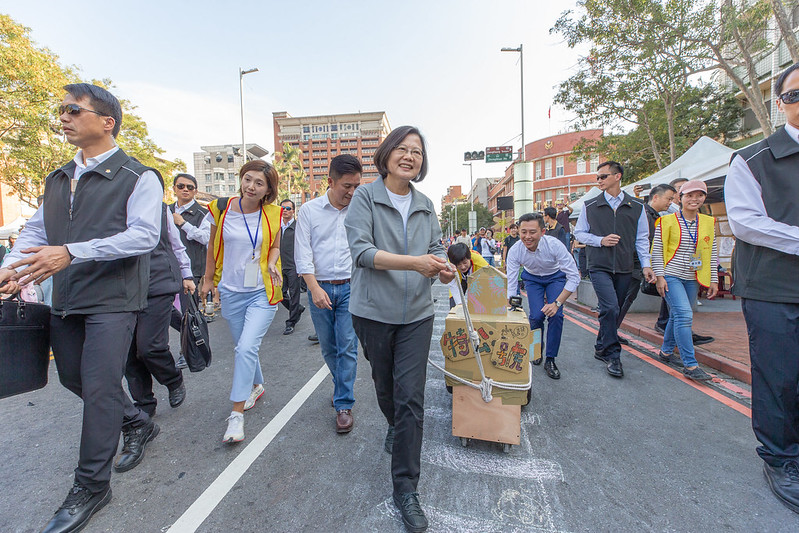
(784, 483)
(601, 356)
(660, 330)
(389, 444)
(134, 442)
(314, 338)
(289, 330)
(181, 363)
(537, 362)
(176, 396)
(701, 339)
(615, 369)
(551, 368)
(77, 509)
(411, 510)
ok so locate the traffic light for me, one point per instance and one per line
(474, 156)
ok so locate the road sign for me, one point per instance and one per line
(496, 154)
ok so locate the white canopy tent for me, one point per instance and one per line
(704, 161)
(12, 227)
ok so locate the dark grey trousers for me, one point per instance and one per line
(90, 353)
(398, 355)
(610, 289)
(291, 296)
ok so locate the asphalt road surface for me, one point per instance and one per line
(649, 452)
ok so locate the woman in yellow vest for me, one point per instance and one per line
(244, 263)
(684, 256)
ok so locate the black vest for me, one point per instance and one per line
(287, 246)
(165, 275)
(764, 273)
(195, 250)
(602, 220)
(98, 210)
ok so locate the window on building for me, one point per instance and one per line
(209, 188)
(219, 176)
(538, 170)
(230, 158)
(594, 162)
(538, 197)
(581, 165)
(231, 188)
(231, 175)
(559, 170)
(207, 178)
(548, 196)
(548, 168)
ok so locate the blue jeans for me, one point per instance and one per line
(537, 288)
(248, 316)
(338, 341)
(680, 297)
(489, 260)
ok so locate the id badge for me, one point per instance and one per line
(696, 262)
(252, 271)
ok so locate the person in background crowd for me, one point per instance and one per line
(760, 193)
(578, 249)
(674, 206)
(476, 238)
(467, 262)
(563, 219)
(684, 255)
(614, 227)
(394, 238)
(554, 228)
(324, 261)
(488, 246)
(291, 279)
(98, 260)
(550, 276)
(244, 262)
(464, 238)
(510, 240)
(11, 240)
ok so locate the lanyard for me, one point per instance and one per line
(249, 234)
(694, 237)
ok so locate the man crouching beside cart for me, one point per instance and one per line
(550, 276)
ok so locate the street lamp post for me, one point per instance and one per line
(471, 184)
(522, 184)
(241, 99)
(521, 70)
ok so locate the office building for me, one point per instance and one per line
(216, 167)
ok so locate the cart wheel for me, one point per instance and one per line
(449, 389)
(529, 395)
(506, 448)
(464, 442)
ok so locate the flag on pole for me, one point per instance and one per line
(549, 113)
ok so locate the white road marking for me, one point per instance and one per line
(202, 507)
(489, 463)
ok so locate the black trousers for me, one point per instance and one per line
(149, 354)
(291, 296)
(90, 353)
(663, 316)
(773, 339)
(398, 356)
(629, 298)
(611, 290)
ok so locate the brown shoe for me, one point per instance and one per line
(344, 421)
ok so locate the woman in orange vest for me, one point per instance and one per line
(684, 256)
(244, 262)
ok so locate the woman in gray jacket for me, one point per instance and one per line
(394, 237)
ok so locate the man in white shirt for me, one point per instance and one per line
(101, 213)
(322, 257)
(550, 276)
(464, 238)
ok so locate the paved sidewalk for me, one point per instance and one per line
(720, 318)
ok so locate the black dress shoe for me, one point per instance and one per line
(77, 509)
(176, 396)
(538, 361)
(389, 444)
(289, 330)
(701, 339)
(598, 354)
(411, 510)
(660, 330)
(615, 369)
(784, 483)
(134, 442)
(551, 368)
(181, 363)
(314, 338)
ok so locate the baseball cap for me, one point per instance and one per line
(693, 185)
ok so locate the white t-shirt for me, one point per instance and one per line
(239, 252)
(402, 203)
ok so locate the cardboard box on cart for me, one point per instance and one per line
(506, 346)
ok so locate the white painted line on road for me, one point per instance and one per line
(202, 507)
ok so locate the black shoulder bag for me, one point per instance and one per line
(194, 341)
(24, 346)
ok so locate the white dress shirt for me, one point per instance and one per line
(201, 234)
(177, 248)
(320, 241)
(143, 222)
(746, 211)
(548, 258)
(582, 231)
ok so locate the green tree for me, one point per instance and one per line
(293, 179)
(485, 219)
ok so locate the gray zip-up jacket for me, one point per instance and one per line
(390, 296)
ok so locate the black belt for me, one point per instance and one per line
(336, 281)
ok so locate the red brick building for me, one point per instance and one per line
(323, 137)
(454, 193)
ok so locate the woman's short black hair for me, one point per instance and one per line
(393, 139)
(458, 252)
(100, 99)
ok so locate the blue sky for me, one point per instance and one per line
(435, 64)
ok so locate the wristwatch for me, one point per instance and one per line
(558, 303)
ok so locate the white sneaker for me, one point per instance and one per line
(255, 394)
(235, 428)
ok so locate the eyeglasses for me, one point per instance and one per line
(602, 176)
(181, 186)
(287, 207)
(789, 97)
(404, 150)
(75, 109)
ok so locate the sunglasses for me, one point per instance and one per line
(602, 176)
(181, 186)
(287, 207)
(789, 97)
(75, 109)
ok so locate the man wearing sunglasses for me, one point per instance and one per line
(761, 190)
(614, 227)
(100, 219)
(291, 280)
